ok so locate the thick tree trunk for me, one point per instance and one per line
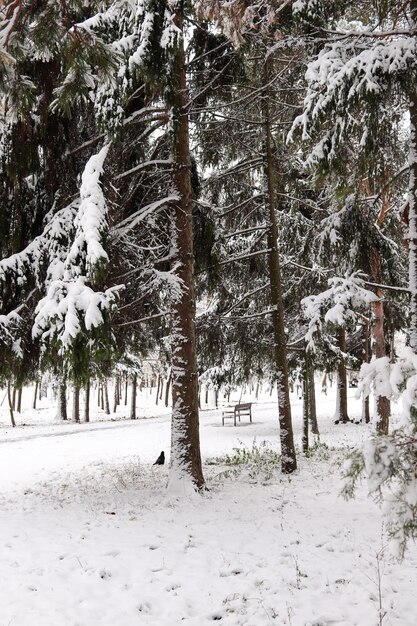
(288, 457)
(185, 436)
(76, 404)
(341, 402)
(133, 398)
(61, 409)
(87, 401)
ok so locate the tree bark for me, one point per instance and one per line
(10, 400)
(341, 402)
(126, 387)
(412, 209)
(19, 399)
(185, 436)
(312, 400)
(87, 401)
(35, 395)
(106, 398)
(61, 409)
(167, 388)
(116, 394)
(158, 389)
(288, 456)
(133, 398)
(382, 404)
(76, 404)
(306, 403)
(365, 358)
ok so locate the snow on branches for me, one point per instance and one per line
(336, 306)
(349, 71)
(90, 221)
(70, 308)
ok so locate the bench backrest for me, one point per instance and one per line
(242, 407)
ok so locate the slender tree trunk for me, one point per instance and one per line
(157, 389)
(306, 403)
(206, 396)
(126, 387)
(10, 400)
(61, 409)
(116, 394)
(76, 404)
(35, 395)
(19, 399)
(14, 397)
(87, 401)
(341, 405)
(365, 358)
(133, 398)
(412, 206)
(312, 400)
(382, 404)
(288, 457)
(185, 436)
(167, 388)
(106, 398)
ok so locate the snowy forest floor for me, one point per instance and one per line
(89, 535)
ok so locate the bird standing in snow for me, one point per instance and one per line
(161, 459)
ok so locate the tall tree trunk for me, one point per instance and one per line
(116, 395)
(382, 404)
(35, 395)
(412, 208)
(167, 388)
(341, 401)
(312, 400)
(61, 408)
(306, 402)
(288, 457)
(185, 436)
(126, 387)
(10, 400)
(14, 397)
(365, 359)
(157, 389)
(87, 401)
(19, 399)
(133, 399)
(76, 404)
(106, 398)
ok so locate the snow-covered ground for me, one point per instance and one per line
(89, 535)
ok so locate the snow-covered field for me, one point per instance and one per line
(89, 535)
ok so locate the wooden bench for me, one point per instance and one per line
(240, 410)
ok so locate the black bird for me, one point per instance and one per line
(161, 459)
